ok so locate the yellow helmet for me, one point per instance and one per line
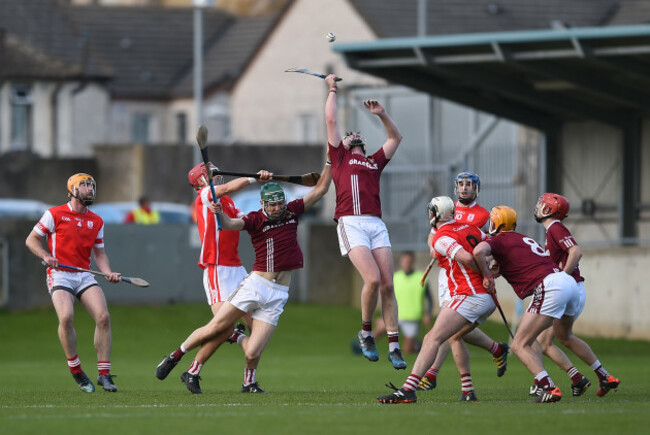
(502, 218)
(77, 180)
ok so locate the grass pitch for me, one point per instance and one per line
(315, 384)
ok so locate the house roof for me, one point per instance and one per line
(228, 54)
(146, 51)
(41, 38)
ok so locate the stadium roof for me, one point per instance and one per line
(533, 77)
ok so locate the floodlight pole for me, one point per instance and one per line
(198, 69)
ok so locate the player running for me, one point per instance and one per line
(73, 234)
(265, 291)
(362, 234)
(531, 272)
(550, 211)
(470, 305)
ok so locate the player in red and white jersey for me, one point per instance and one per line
(530, 271)
(470, 305)
(467, 186)
(74, 233)
(362, 235)
(219, 257)
(550, 211)
(265, 291)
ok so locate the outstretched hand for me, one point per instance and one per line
(374, 107)
(331, 81)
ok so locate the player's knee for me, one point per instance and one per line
(516, 346)
(66, 322)
(252, 354)
(104, 320)
(387, 289)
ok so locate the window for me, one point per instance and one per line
(306, 128)
(140, 127)
(21, 117)
(181, 127)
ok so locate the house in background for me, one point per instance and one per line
(75, 76)
(123, 75)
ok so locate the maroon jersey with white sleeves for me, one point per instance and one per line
(356, 179)
(71, 236)
(276, 242)
(522, 262)
(472, 214)
(558, 242)
(448, 240)
(217, 247)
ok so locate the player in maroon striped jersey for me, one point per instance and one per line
(550, 211)
(219, 259)
(531, 272)
(265, 291)
(362, 234)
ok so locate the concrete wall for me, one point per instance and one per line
(166, 255)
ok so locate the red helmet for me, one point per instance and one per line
(199, 171)
(551, 205)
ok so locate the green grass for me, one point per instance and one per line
(314, 383)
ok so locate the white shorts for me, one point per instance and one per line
(73, 282)
(443, 288)
(368, 231)
(558, 294)
(582, 298)
(264, 298)
(409, 328)
(474, 308)
(220, 281)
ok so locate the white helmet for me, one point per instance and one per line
(441, 209)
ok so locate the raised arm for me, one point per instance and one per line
(239, 183)
(333, 134)
(394, 135)
(320, 189)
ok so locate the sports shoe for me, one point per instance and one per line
(396, 359)
(580, 387)
(551, 394)
(502, 360)
(400, 395)
(84, 382)
(240, 328)
(106, 381)
(368, 347)
(252, 388)
(165, 366)
(604, 386)
(468, 397)
(535, 390)
(191, 382)
(426, 384)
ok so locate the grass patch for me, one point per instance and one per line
(314, 383)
